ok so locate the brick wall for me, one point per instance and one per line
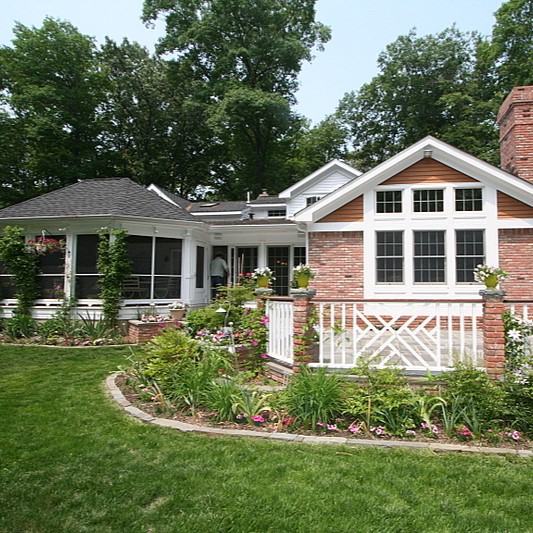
(515, 119)
(337, 258)
(516, 258)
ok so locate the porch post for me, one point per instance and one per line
(302, 307)
(493, 332)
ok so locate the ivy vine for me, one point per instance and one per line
(114, 266)
(21, 263)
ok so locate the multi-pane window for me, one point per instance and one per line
(277, 213)
(469, 252)
(389, 201)
(299, 253)
(469, 199)
(428, 201)
(389, 252)
(278, 261)
(429, 257)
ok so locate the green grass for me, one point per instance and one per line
(71, 461)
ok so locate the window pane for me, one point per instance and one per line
(246, 260)
(87, 287)
(168, 256)
(140, 253)
(167, 287)
(278, 261)
(428, 201)
(429, 257)
(299, 255)
(389, 201)
(200, 267)
(470, 252)
(389, 257)
(468, 199)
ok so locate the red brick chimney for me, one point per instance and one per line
(515, 119)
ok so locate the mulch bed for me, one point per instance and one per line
(203, 419)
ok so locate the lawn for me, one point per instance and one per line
(72, 461)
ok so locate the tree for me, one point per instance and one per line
(242, 58)
(430, 85)
(51, 89)
(512, 41)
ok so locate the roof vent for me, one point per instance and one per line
(264, 193)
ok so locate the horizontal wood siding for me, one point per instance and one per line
(427, 171)
(509, 207)
(350, 212)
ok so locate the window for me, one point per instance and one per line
(429, 257)
(470, 252)
(299, 255)
(389, 253)
(200, 267)
(389, 201)
(278, 261)
(310, 200)
(275, 213)
(428, 201)
(468, 199)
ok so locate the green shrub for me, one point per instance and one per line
(313, 397)
(20, 325)
(471, 386)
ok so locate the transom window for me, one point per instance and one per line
(468, 199)
(389, 252)
(428, 201)
(429, 257)
(389, 201)
(470, 252)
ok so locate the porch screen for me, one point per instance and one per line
(156, 268)
(86, 273)
(52, 277)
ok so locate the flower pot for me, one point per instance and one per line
(177, 314)
(262, 281)
(302, 280)
(491, 282)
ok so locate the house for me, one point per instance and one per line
(414, 227)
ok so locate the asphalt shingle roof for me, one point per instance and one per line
(98, 197)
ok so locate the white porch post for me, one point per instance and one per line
(188, 273)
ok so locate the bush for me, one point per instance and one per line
(313, 397)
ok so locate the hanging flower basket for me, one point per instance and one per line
(44, 245)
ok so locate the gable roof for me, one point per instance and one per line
(97, 197)
(427, 147)
(335, 165)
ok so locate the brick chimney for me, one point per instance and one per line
(515, 119)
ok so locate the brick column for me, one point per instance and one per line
(493, 332)
(302, 307)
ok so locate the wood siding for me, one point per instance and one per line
(428, 171)
(509, 207)
(350, 212)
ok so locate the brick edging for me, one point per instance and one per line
(118, 397)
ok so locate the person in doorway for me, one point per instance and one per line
(219, 270)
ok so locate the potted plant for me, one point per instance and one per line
(42, 245)
(177, 310)
(489, 275)
(263, 276)
(302, 274)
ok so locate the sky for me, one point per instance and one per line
(361, 29)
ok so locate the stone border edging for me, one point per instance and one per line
(118, 397)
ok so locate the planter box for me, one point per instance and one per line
(141, 332)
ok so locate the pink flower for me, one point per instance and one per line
(289, 421)
(332, 427)
(354, 428)
(320, 424)
(265, 320)
(515, 435)
(258, 418)
(264, 356)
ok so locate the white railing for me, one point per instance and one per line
(280, 329)
(416, 336)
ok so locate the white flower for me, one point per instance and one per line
(514, 335)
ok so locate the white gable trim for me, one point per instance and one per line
(440, 151)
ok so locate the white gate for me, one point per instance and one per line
(280, 330)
